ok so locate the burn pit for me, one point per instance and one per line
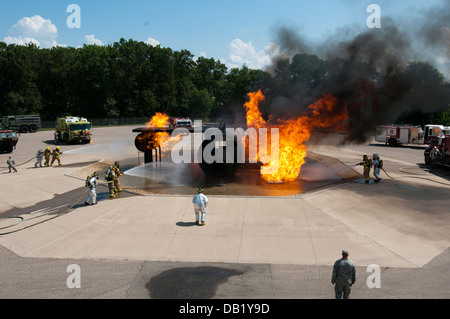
(168, 178)
(222, 162)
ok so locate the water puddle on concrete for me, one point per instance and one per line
(184, 179)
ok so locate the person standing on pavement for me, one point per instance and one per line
(343, 277)
(200, 202)
(39, 155)
(377, 166)
(118, 172)
(109, 177)
(367, 165)
(11, 164)
(92, 194)
(47, 155)
(56, 153)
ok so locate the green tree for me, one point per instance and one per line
(307, 69)
(19, 92)
(210, 75)
(200, 104)
(429, 97)
(183, 70)
(56, 81)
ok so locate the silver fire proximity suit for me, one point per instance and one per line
(200, 201)
(92, 193)
(376, 167)
(39, 156)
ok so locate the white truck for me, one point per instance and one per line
(399, 134)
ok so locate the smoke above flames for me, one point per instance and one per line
(365, 69)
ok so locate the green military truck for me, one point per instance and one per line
(21, 123)
(8, 141)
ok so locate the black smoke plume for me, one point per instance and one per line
(368, 71)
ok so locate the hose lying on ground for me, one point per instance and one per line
(400, 169)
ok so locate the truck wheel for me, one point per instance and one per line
(24, 129)
(392, 142)
(33, 129)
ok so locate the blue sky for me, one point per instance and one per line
(232, 31)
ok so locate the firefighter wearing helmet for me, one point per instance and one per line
(39, 155)
(47, 155)
(377, 166)
(92, 183)
(200, 202)
(367, 165)
(110, 176)
(55, 156)
(118, 172)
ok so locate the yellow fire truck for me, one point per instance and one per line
(73, 129)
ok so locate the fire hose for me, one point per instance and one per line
(43, 221)
(427, 179)
(400, 169)
(387, 174)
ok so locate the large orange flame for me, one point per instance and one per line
(158, 120)
(254, 116)
(293, 133)
(161, 139)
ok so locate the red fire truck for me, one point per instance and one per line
(438, 152)
(433, 132)
(175, 122)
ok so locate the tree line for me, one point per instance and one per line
(134, 79)
(125, 79)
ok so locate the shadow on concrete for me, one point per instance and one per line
(55, 165)
(186, 224)
(63, 203)
(189, 283)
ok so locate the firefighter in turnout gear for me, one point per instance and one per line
(92, 182)
(118, 172)
(367, 165)
(47, 155)
(55, 156)
(110, 176)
